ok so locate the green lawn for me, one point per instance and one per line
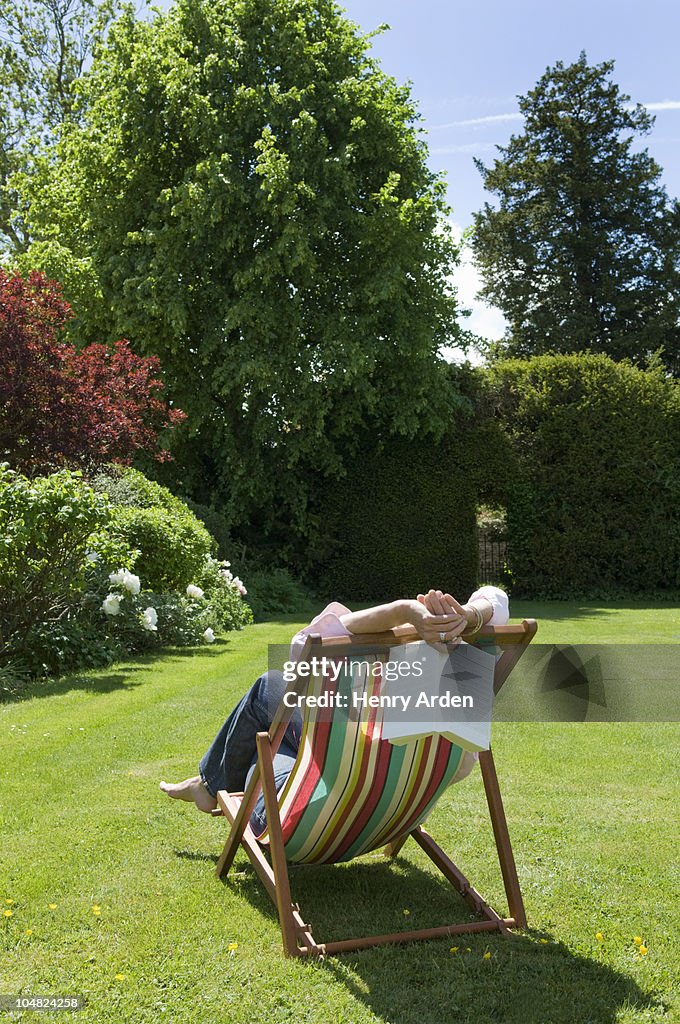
(592, 811)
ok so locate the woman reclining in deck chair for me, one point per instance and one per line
(231, 758)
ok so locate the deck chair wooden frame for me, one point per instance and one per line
(273, 871)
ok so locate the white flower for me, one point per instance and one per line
(239, 586)
(92, 556)
(126, 579)
(131, 583)
(209, 635)
(194, 591)
(228, 576)
(111, 604)
(149, 619)
(226, 564)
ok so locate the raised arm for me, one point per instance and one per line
(431, 627)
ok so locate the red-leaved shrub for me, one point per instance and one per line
(64, 406)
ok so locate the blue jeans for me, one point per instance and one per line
(231, 758)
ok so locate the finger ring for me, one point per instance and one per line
(442, 637)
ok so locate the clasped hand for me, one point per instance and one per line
(438, 617)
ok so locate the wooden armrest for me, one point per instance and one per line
(518, 633)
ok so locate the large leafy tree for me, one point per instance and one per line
(248, 198)
(45, 46)
(583, 249)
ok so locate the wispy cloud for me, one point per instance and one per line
(469, 122)
(663, 105)
(472, 122)
(465, 147)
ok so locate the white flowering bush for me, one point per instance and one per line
(139, 618)
(47, 526)
(225, 594)
(74, 594)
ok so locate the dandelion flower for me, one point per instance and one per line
(10, 903)
(454, 949)
(642, 950)
(8, 913)
(599, 936)
(232, 947)
(544, 941)
(52, 906)
(29, 931)
(487, 956)
(121, 977)
(406, 911)
(96, 909)
(637, 939)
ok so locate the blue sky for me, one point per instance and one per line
(468, 61)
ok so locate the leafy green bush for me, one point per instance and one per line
(173, 544)
(46, 528)
(73, 643)
(68, 596)
(594, 510)
(129, 617)
(137, 618)
(276, 592)
(217, 525)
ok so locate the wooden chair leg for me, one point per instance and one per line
(502, 837)
(393, 848)
(276, 847)
(240, 822)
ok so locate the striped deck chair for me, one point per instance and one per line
(351, 791)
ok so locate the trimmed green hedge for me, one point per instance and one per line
(404, 518)
(595, 509)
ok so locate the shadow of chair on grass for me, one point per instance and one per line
(524, 981)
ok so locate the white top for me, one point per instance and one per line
(499, 601)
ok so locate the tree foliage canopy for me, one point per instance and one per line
(45, 46)
(248, 198)
(583, 250)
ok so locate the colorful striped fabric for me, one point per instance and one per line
(350, 791)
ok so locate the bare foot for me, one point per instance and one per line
(191, 790)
